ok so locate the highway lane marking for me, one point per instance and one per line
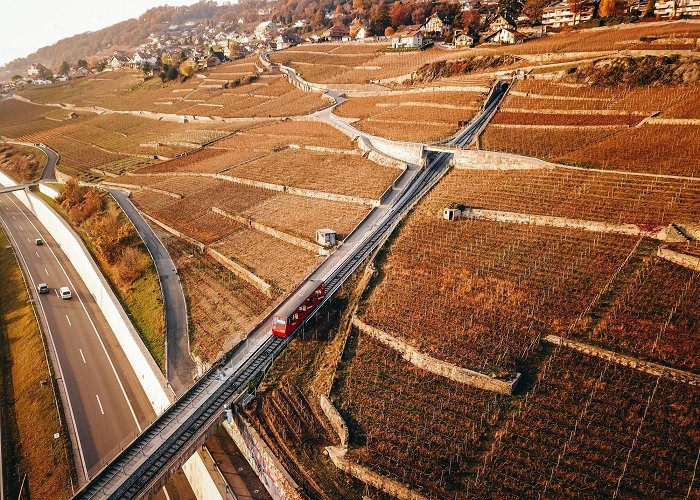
(20, 226)
(82, 355)
(37, 254)
(13, 217)
(69, 323)
(92, 323)
(47, 272)
(53, 345)
(100, 403)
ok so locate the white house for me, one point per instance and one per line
(266, 30)
(560, 14)
(117, 61)
(506, 36)
(409, 37)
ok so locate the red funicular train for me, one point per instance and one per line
(296, 310)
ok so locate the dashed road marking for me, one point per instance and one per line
(82, 355)
(47, 272)
(37, 254)
(20, 226)
(100, 403)
(69, 323)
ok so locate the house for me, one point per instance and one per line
(409, 37)
(358, 30)
(266, 30)
(435, 26)
(336, 33)
(560, 14)
(504, 36)
(140, 59)
(117, 61)
(325, 237)
(287, 39)
(33, 71)
(499, 22)
(670, 9)
(462, 40)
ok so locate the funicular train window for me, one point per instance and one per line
(295, 316)
(280, 321)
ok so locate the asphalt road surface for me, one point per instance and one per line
(180, 365)
(105, 398)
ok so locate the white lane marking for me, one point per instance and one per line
(37, 254)
(100, 403)
(15, 218)
(56, 292)
(53, 345)
(69, 323)
(82, 355)
(20, 226)
(94, 328)
(29, 240)
(165, 492)
(47, 272)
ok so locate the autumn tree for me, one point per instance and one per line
(471, 22)
(389, 31)
(400, 14)
(64, 69)
(534, 8)
(379, 18)
(611, 8)
(187, 68)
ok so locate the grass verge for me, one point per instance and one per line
(30, 414)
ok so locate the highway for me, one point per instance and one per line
(104, 403)
(147, 462)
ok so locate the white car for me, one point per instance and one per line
(42, 288)
(64, 292)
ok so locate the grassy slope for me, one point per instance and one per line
(30, 416)
(14, 164)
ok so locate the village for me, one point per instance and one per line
(181, 49)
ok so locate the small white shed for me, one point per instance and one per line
(325, 237)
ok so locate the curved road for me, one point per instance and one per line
(180, 367)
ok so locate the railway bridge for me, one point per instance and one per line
(153, 457)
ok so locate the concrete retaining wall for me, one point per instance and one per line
(436, 366)
(48, 190)
(277, 482)
(149, 375)
(200, 478)
(488, 160)
(644, 366)
(682, 259)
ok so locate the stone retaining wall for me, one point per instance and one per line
(367, 476)
(644, 366)
(658, 232)
(682, 259)
(288, 238)
(242, 272)
(436, 366)
(337, 422)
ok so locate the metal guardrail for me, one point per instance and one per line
(161, 462)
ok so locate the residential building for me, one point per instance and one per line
(505, 36)
(336, 33)
(462, 40)
(33, 71)
(266, 30)
(561, 14)
(409, 37)
(358, 30)
(499, 22)
(435, 26)
(670, 9)
(118, 61)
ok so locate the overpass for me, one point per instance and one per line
(147, 463)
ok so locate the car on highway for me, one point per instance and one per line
(64, 292)
(42, 288)
(39, 242)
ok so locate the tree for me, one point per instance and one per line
(82, 63)
(534, 8)
(172, 73)
(611, 8)
(45, 73)
(389, 31)
(187, 68)
(379, 18)
(400, 14)
(651, 7)
(16, 78)
(510, 8)
(471, 22)
(64, 69)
